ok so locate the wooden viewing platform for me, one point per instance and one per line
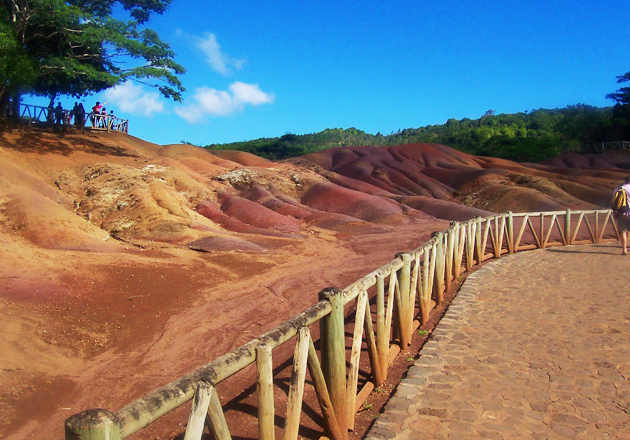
(35, 114)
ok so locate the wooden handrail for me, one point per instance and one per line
(37, 113)
(416, 283)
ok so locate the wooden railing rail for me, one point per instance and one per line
(404, 292)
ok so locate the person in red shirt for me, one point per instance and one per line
(95, 117)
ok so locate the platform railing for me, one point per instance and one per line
(47, 115)
(381, 311)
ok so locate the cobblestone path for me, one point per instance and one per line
(535, 346)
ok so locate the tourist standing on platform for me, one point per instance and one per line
(621, 212)
(73, 113)
(110, 120)
(79, 115)
(96, 114)
(67, 116)
(59, 114)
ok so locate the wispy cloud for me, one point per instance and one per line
(219, 62)
(212, 102)
(131, 98)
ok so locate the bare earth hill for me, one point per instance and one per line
(126, 264)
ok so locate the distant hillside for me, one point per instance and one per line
(523, 137)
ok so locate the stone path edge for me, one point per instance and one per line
(394, 415)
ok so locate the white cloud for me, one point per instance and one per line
(217, 60)
(212, 102)
(250, 94)
(134, 99)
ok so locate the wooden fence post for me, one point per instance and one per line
(377, 370)
(382, 341)
(391, 299)
(425, 293)
(480, 252)
(355, 357)
(439, 268)
(510, 234)
(542, 231)
(196, 421)
(470, 245)
(601, 234)
(266, 409)
(450, 253)
(413, 288)
(333, 350)
(596, 227)
(216, 419)
(460, 237)
(567, 228)
(405, 315)
(296, 388)
(93, 424)
(321, 390)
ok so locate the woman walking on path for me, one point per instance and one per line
(622, 214)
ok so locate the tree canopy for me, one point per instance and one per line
(530, 136)
(622, 96)
(78, 47)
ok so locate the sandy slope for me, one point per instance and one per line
(125, 264)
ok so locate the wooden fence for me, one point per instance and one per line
(600, 147)
(45, 115)
(381, 324)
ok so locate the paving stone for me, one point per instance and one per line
(440, 386)
(489, 405)
(539, 406)
(434, 412)
(427, 360)
(422, 370)
(381, 430)
(404, 391)
(393, 418)
(593, 417)
(444, 378)
(565, 431)
(434, 396)
(414, 381)
(399, 404)
(490, 435)
(426, 423)
(465, 415)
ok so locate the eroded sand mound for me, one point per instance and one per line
(128, 263)
(488, 184)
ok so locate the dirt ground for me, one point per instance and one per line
(125, 265)
(141, 319)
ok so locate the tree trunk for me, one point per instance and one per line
(4, 102)
(15, 106)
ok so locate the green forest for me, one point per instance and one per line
(529, 136)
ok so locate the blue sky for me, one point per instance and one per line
(261, 69)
